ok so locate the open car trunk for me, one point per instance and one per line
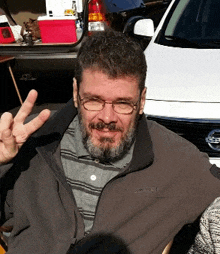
(53, 26)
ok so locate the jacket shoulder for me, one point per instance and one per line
(167, 142)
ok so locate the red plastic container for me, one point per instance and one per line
(6, 35)
(62, 30)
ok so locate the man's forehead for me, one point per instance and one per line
(96, 73)
(100, 84)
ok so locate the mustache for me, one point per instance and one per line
(100, 126)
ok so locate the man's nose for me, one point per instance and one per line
(108, 115)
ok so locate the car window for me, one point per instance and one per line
(192, 23)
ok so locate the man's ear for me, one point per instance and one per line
(142, 102)
(75, 93)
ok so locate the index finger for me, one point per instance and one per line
(37, 122)
(26, 107)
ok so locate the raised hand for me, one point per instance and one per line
(13, 131)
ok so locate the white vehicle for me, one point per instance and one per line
(183, 77)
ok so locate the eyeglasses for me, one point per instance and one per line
(120, 107)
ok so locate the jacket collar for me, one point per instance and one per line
(49, 136)
(143, 155)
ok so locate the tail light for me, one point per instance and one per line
(97, 19)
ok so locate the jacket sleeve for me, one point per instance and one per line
(5, 211)
(208, 238)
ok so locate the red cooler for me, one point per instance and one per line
(57, 30)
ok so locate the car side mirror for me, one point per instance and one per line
(144, 27)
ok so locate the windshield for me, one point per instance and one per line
(192, 23)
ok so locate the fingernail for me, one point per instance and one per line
(6, 115)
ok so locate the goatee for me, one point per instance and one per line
(105, 152)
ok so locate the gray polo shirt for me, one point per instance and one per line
(85, 175)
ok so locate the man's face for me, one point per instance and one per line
(108, 135)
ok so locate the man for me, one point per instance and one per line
(98, 169)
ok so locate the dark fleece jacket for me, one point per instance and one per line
(168, 184)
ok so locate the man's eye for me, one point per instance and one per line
(123, 104)
(92, 100)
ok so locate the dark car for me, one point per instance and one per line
(46, 62)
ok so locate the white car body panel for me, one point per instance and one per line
(185, 74)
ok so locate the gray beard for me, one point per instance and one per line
(106, 153)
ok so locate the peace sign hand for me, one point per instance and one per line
(13, 131)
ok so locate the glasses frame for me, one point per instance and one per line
(84, 100)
